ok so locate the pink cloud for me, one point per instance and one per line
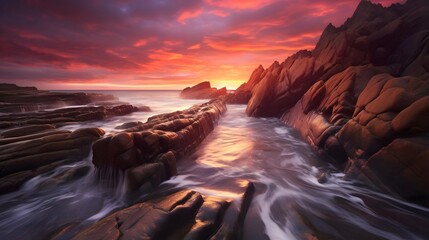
(170, 44)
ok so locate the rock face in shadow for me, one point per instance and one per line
(24, 99)
(182, 215)
(361, 96)
(24, 156)
(147, 152)
(202, 90)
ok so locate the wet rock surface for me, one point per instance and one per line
(27, 156)
(182, 215)
(147, 152)
(202, 90)
(360, 96)
(31, 143)
(23, 99)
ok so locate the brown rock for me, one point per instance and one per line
(202, 90)
(148, 151)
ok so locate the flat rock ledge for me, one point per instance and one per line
(24, 157)
(147, 152)
(14, 98)
(65, 116)
(31, 144)
(182, 215)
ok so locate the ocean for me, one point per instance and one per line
(289, 202)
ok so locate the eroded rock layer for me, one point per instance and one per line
(361, 95)
(147, 152)
(24, 157)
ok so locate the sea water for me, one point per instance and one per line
(289, 202)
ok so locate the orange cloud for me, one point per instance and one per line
(184, 16)
(240, 4)
(140, 43)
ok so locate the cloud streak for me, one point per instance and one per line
(131, 44)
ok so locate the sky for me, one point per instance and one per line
(155, 44)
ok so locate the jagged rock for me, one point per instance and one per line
(182, 215)
(22, 158)
(361, 95)
(243, 93)
(202, 90)
(147, 152)
(23, 99)
(395, 37)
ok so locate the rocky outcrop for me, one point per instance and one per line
(24, 156)
(23, 99)
(360, 97)
(243, 93)
(31, 144)
(182, 215)
(147, 152)
(202, 90)
(64, 116)
(395, 37)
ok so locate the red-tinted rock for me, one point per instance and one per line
(361, 96)
(202, 90)
(22, 158)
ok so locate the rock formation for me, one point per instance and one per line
(147, 152)
(243, 93)
(361, 96)
(26, 154)
(31, 144)
(23, 99)
(182, 215)
(202, 90)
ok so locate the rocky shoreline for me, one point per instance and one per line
(145, 154)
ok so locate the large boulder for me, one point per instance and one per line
(202, 90)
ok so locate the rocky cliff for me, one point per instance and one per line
(361, 96)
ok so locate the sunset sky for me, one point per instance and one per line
(155, 44)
